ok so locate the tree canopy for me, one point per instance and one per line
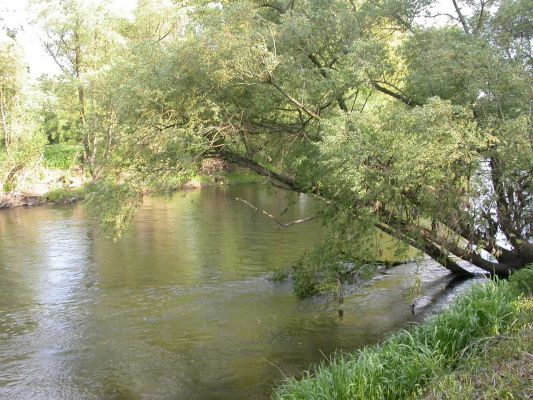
(401, 121)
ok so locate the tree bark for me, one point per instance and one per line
(428, 247)
(494, 268)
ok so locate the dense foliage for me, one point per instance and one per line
(21, 142)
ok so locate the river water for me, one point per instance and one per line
(181, 307)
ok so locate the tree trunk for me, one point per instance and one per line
(427, 246)
(442, 250)
(3, 111)
(494, 268)
(78, 68)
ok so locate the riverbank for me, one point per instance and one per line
(46, 192)
(502, 370)
(58, 178)
(58, 190)
(433, 360)
(55, 176)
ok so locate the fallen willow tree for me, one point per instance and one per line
(418, 131)
(403, 365)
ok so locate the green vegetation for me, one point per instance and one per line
(399, 120)
(20, 142)
(62, 156)
(318, 271)
(502, 370)
(241, 178)
(66, 195)
(409, 126)
(406, 363)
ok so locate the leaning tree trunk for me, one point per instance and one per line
(441, 249)
(427, 246)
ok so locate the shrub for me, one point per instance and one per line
(522, 281)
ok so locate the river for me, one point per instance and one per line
(181, 307)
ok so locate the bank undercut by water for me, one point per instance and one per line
(403, 365)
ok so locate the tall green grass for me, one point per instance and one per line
(402, 365)
(502, 370)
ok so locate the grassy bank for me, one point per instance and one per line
(502, 370)
(416, 363)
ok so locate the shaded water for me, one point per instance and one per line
(182, 307)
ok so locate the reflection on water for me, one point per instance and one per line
(182, 307)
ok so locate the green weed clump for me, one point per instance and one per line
(406, 362)
(522, 281)
(62, 156)
(280, 274)
(66, 195)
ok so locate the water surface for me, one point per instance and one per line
(182, 307)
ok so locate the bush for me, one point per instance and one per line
(522, 281)
(65, 195)
(23, 152)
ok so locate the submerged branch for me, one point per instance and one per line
(277, 221)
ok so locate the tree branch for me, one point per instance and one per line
(261, 170)
(436, 246)
(426, 246)
(397, 96)
(495, 268)
(461, 17)
(294, 101)
(277, 221)
(316, 63)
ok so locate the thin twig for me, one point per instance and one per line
(277, 367)
(281, 224)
